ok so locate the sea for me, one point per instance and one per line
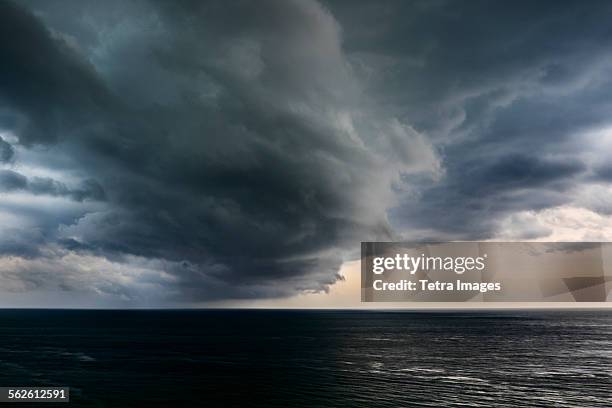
(299, 358)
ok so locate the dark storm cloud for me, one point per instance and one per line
(6, 151)
(242, 149)
(223, 138)
(45, 87)
(506, 89)
(471, 199)
(517, 171)
(10, 180)
(13, 181)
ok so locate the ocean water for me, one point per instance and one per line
(311, 358)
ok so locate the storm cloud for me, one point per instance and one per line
(193, 151)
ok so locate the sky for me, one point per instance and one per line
(194, 153)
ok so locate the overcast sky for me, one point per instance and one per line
(158, 153)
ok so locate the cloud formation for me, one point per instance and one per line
(231, 143)
(515, 97)
(159, 151)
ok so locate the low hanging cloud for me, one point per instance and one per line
(157, 151)
(230, 143)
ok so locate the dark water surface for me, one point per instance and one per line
(311, 358)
